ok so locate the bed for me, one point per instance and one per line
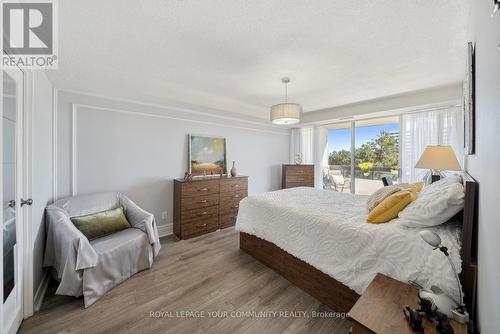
(320, 241)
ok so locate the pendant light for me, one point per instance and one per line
(286, 113)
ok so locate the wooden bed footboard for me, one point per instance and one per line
(324, 288)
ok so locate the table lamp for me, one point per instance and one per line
(438, 158)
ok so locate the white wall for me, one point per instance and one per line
(41, 167)
(138, 149)
(484, 164)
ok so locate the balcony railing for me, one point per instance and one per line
(339, 178)
(376, 172)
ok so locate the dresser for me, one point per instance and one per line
(297, 176)
(207, 204)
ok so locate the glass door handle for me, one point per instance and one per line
(12, 203)
(28, 201)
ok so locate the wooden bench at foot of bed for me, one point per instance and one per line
(321, 286)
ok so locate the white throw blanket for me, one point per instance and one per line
(91, 268)
(328, 230)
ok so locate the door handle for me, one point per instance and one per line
(12, 203)
(28, 201)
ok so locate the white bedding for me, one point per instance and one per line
(328, 230)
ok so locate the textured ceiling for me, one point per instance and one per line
(230, 54)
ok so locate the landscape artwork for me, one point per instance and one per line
(207, 155)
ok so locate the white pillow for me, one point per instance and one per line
(443, 182)
(435, 204)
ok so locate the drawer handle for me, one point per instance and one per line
(203, 189)
(236, 185)
(202, 225)
(236, 196)
(202, 214)
(236, 206)
(203, 201)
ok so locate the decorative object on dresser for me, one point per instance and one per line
(207, 155)
(380, 309)
(298, 159)
(297, 176)
(234, 171)
(207, 204)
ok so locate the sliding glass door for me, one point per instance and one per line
(337, 176)
(376, 154)
(362, 153)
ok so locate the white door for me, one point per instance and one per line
(11, 295)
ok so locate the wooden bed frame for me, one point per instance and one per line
(341, 298)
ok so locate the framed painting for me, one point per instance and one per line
(207, 155)
(468, 102)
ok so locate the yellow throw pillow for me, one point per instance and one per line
(417, 186)
(390, 207)
(378, 196)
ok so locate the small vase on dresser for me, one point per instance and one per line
(234, 171)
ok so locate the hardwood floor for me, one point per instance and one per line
(189, 279)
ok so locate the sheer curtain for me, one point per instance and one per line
(302, 143)
(436, 127)
(311, 144)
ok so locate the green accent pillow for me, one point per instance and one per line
(102, 223)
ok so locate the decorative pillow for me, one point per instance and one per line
(378, 196)
(102, 223)
(390, 207)
(445, 181)
(435, 205)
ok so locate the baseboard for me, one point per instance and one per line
(164, 230)
(41, 290)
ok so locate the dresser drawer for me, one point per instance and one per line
(200, 227)
(229, 207)
(201, 201)
(228, 185)
(300, 180)
(233, 196)
(191, 189)
(199, 214)
(227, 220)
(292, 171)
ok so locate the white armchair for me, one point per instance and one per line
(91, 268)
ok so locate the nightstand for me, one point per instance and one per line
(380, 309)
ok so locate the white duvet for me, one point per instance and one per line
(328, 230)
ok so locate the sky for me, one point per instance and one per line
(341, 139)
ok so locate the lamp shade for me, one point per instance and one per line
(438, 158)
(285, 113)
(431, 238)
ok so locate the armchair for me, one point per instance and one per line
(91, 268)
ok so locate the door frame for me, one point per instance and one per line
(25, 242)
